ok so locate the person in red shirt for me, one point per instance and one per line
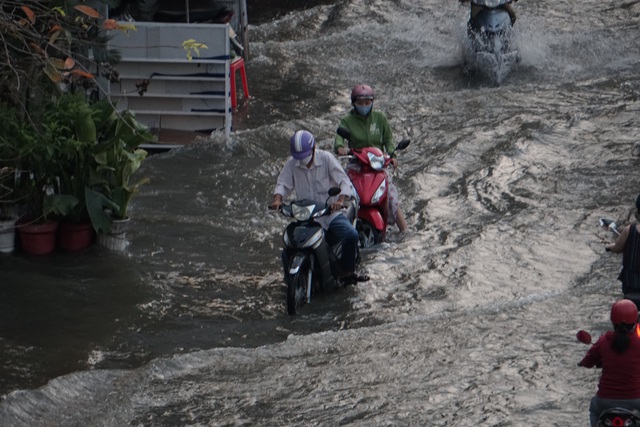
(617, 352)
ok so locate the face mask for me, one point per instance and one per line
(306, 160)
(364, 110)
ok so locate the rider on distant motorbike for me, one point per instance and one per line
(617, 352)
(310, 173)
(628, 243)
(476, 8)
(370, 128)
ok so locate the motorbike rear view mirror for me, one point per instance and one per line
(609, 224)
(584, 337)
(334, 191)
(604, 222)
(403, 144)
(344, 133)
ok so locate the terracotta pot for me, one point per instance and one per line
(75, 236)
(7, 235)
(38, 239)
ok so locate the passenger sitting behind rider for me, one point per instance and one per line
(476, 8)
(618, 353)
(370, 128)
(311, 173)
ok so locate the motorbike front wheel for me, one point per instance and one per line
(368, 235)
(297, 291)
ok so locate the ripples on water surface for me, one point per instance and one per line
(468, 321)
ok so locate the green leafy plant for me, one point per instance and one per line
(70, 129)
(118, 157)
(76, 159)
(11, 141)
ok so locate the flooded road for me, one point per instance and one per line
(470, 320)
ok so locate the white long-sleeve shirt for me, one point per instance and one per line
(314, 183)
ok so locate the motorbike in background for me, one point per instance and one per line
(615, 416)
(310, 256)
(490, 35)
(367, 172)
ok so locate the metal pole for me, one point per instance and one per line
(244, 28)
(186, 7)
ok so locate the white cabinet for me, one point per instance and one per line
(181, 94)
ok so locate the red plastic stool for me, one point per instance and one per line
(238, 65)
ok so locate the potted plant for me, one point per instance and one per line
(54, 51)
(40, 155)
(51, 49)
(8, 209)
(69, 120)
(9, 198)
(22, 199)
(118, 157)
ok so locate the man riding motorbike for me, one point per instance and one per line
(617, 352)
(370, 128)
(310, 173)
(476, 8)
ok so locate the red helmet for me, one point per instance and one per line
(361, 92)
(624, 311)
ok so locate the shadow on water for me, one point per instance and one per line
(56, 309)
(67, 312)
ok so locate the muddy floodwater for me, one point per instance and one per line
(470, 320)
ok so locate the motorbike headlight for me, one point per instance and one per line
(379, 193)
(376, 162)
(302, 213)
(491, 3)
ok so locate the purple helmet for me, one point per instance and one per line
(302, 144)
(362, 92)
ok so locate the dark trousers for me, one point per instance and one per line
(342, 228)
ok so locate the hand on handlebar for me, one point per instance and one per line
(343, 151)
(336, 206)
(276, 204)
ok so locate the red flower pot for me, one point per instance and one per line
(75, 236)
(38, 239)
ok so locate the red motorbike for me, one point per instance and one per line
(367, 171)
(614, 416)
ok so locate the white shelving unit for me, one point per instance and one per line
(181, 94)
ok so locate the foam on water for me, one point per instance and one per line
(465, 319)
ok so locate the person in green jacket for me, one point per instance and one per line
(370, 128)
